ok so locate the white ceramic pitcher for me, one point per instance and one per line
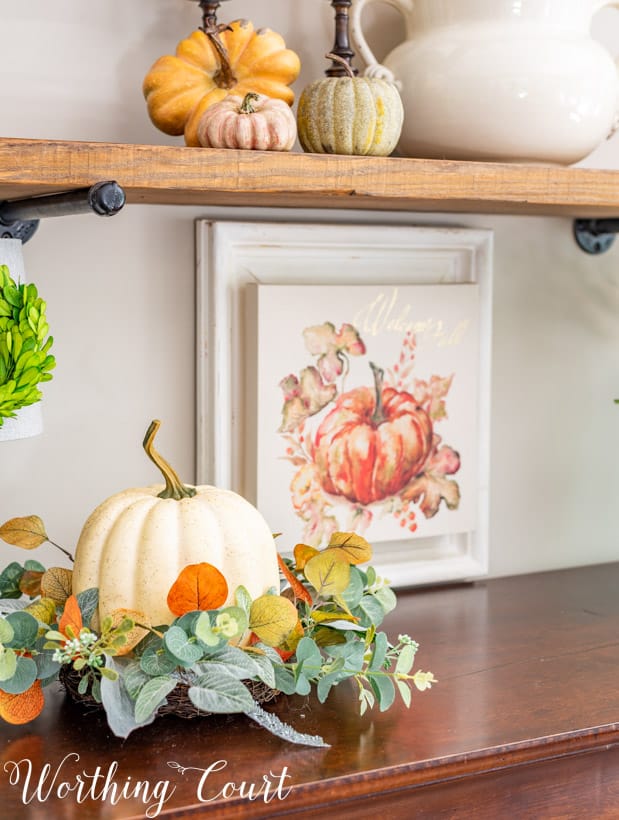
(506, 80)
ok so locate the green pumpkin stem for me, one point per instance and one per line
(337, 59)
(247, 106)
(174, 487)
(378, 416)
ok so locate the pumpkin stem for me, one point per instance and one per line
(337, 59)
(378, 416)
(174, 487)
(224, 77)
(247, 106)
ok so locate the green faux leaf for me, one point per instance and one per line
(25, 630)
(326, 683)
(203, 630)
(152, 695)
(46, 666)
(243, 599)
(33, 566)
(134, 678)
(187, 622)
(9, 580)
(219, 692)
(185, 650)
(353, 593)
(381, 644)
(22, 679)
(8, 663)
(370, 612)
(237, 663)
(302, 685)
(231, 622)
(284, 680)
(386, 598)
(405, 660)
(309, 659)
(119, 707)
(154, 662)
(88, 601)
(6, 631)
(82, 686)
(384, 690)
(405, 692)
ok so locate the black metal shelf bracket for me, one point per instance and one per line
(595, 235)
(19, 218)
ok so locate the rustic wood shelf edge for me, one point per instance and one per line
(156, 174)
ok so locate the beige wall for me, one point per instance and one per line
(120, 297)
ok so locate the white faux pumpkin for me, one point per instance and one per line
(253, 122)
(135, 544)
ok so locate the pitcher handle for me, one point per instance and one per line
(373, 67)
(600, 4)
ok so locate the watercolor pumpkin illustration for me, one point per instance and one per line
(368, 452)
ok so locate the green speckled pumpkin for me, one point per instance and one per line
(361, 116)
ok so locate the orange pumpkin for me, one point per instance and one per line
(210, 65)
(372, 443)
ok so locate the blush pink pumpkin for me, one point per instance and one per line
(254, 122)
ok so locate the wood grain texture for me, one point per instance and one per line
(520, 723)
(200, 176)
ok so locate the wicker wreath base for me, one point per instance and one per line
(178, 703)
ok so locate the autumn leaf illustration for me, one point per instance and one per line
(330, 346)
(304, 397)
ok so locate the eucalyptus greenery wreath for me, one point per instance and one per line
(25, 361)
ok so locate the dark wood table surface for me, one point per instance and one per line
(524, 723)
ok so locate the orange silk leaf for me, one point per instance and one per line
(296, 586)
(23, 708)
(199, 586)
(71, 616)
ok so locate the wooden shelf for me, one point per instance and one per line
(153, 174)
(524, 722)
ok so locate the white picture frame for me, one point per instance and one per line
(234, 255)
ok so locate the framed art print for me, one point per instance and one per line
(343, 384)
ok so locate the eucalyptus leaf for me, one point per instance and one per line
(302, 685)
(353, 593)
(88, 601)
(406, 658)
(386, 598)
(6, 631)
(243, 599)
(8, 663)
(405, 692)
(46, 665)
(384, 690)
(203, 630)
(23, 677)
(10, 578)
(154, 662)
(153, 695)
(370, 612)
(25, 629)
(381, 644)
(33, 566)
(284, 680)
(185, 650)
